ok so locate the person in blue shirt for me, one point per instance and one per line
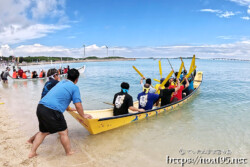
(147, 99)
(50, 111)
(53, 80)
(191, 84)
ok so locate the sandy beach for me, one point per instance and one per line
(14, 147)
(13, 144)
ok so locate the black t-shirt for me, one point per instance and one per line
(165, 95)
(122, 101)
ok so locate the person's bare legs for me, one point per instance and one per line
(65, 142)
(30, 141)
(39, 137)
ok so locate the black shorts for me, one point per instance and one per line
(50, 121)
(4, 79)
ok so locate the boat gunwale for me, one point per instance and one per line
(162, 107)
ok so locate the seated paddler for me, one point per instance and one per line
(123, 101)
(147, 99)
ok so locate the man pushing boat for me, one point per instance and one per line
(50, 111)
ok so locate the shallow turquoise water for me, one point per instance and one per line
(217, 117)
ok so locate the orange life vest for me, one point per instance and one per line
(24, 76)
(41, 74)
(14, 75)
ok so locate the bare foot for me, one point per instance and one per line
(30, 141)
(70, 153)
(31, 155)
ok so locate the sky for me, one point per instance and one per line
(127, 28)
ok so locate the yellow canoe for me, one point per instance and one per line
(103, 120)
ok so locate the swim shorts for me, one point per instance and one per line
(50, 121)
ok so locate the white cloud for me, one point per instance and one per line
(211, 10)
(17, 33)
(227, 14)
(225, 37)
(43, 8)
(242, 2)
(240, 50)
(20, 19)
(245, 18)
(220, 13)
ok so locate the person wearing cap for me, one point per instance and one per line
(6, 74)
(147, 99)
(123, 101)
(158, 85)
(148, 81)
(50, 111)
(165, 94)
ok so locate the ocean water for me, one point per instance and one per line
(217, 117)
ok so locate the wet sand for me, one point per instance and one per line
(13, 146)
(15, 149)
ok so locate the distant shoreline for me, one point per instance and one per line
(77, 61)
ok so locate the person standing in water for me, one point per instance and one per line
(6, 74)
(53, 80)
(50, 112)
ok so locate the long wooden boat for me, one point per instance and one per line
(81, 70)
(103, 120)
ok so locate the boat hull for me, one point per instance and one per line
(98, 125)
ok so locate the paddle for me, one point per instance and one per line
(160, 69)
(171, 67)
(170, 64)
(167, 78)
(183, 64)
(189, 73)
(108, 103)
(157, 80)
(179, 73)
(192, 63)
(138, 72)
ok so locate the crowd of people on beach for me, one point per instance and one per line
(21, 74)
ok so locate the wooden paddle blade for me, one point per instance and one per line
(189, 73)
(160, 69)
(138, 71)
(167, 78)
(183, 64)
(192, 63)
(179, 73)
(157, 80)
